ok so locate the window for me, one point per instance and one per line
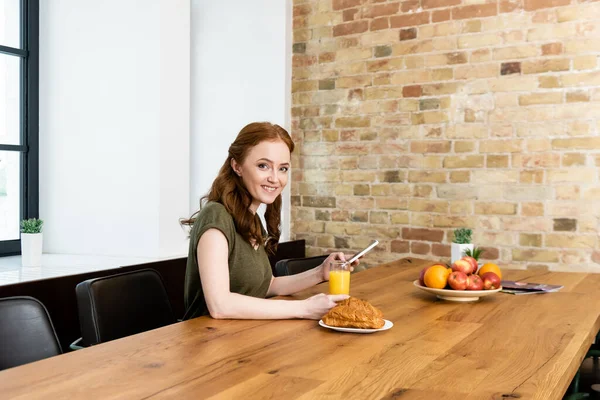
(19, 144)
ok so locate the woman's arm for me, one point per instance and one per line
(213, 266)
(285, 285)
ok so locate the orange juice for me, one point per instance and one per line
(339, 282)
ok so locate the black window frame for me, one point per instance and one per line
(29, 147)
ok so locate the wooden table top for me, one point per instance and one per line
(501, 346)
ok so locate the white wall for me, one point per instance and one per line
(114, 126)
(241, 68)
(122, 154)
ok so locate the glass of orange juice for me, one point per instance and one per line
(339, 277)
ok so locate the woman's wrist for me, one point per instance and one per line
(320, 274)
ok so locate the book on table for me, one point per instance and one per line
(517, 287)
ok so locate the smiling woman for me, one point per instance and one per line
(228, 274)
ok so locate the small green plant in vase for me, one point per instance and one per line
(31, 242)
(461, 243)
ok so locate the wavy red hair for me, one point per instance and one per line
(229, 190)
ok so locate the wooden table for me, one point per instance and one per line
(501, 346)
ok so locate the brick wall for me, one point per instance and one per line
(416, 117)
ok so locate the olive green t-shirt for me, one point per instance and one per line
(249, 269)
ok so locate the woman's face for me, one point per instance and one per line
(264, 171)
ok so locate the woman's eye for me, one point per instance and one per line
(284, 169)
(263, 166)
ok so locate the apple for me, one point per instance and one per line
(474, 283)
(473, 263)
(458, 280)
(491, 281)
(422, 276)
(463, 266)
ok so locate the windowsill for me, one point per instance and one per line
(54, 265)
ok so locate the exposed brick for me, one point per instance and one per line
(299, 48)
(431, 235)
(318, 201)
(439, 3)
(552, 49)
(475, 11)
(490, 253)
(531, 5)
(576, 97)
(530, 255)
(410, 5)
(510, 68)
(507, 6)
(302, 9)
(350, 28)
(400, 21)
(327, 84)
(412, 91)
(440, 15)
(565, 224)
(350, 14)
(420, 248)
(441, 250)
(341, 242)
(400, 246)
(408, 34)
(380, 10)
(382, 51)
(381, 23)
(530, 239)
(342, 4)
(551, 65)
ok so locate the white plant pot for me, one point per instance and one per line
(31, 249)
(458, 251)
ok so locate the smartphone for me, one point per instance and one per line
(363, 252)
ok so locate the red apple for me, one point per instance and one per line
(457, 280)
(474, 283)
(473, 263)
(422, 276)
(491, 281)
(463, 266)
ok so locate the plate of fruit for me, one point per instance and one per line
(463, 281)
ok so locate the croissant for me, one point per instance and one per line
(354, 313)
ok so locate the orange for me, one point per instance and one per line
(490, 267)
(436, 276)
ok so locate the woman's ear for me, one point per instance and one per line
(236, 167)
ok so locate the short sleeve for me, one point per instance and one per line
(214, 216)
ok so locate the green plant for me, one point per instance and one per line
(475, 253)
(32, 225)
(462, 235)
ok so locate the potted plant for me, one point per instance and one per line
(31, 242)
(461, 243)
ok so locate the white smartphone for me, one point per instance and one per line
(363, 252)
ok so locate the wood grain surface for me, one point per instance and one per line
(502, 346)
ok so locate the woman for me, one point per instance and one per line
(228, 273)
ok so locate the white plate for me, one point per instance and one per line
(388, 325)
(457, 295)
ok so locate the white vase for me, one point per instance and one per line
(31, 249)
(458, 251)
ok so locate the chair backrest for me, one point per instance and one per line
(120, 305)
(26, 332)
(292, 266)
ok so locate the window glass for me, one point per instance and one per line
(10, 23)
(10, 99)
(10, 194)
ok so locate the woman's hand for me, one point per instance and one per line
(325, 266)
(317, 306)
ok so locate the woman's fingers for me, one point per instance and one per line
(338, 297)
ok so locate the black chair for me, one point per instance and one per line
(120, 305)
(26, 332)
(292, 266)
